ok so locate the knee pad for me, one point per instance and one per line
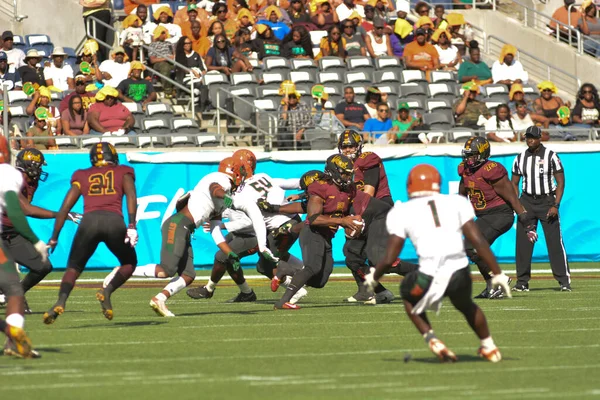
(221, 257)
(46, 268)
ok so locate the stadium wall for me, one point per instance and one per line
(161, 178)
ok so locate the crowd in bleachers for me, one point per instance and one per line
(384, 69)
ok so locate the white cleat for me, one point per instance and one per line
(492, 355)
(441, 351)
(109, 277)
(300, 294)
(160, 308)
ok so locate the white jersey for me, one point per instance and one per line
(201, 204)
(434, 225)
(11, 180)
(261, 186)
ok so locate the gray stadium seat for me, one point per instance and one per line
(186, 129)
(303, 76)
(332, 63)
(243, 78)
(154, 130)
(276, 63)
(387, 77)
(460, 134)
(270, 77)
(359, 77)
(304, 64)
(443, 76)
(360, 63)
(330, 77)
(413, 75)
(388, 62)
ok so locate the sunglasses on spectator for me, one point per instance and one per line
(220, 41)
(383, 110)
(587, 91)
(335, 33)
(221, 12)
(348, 26)
(187, 42)
(547, 90)
(77, 83)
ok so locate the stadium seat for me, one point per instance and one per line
(304, 63)
(303, 76)
(315, 38)
(55, 98)
(243, 78)
(18, 98)
(159, 109)
(266, 104)
(71, 58)
(333, 64)
(495, 91)
(216, 83)
(413, 75)
(39, 42)
(360, 63)
(155, 130)
(359, 77)
(414, 91)
(460, 134)
(305, 89)
(186, 129)
(134, 108)
(242, 103)
(492, 105)
(443, 76)
(388, 63)
(320, 139)
(90, 140)
(66, 142)
(330, 77)
(436, 104)
(276, 63)
(125, 141)
(19, 42)
(441, 91)
(269, 91)
(415, 104)
(438, 121)
(269, 77)
(19, 117)
(360, 90)
(334, 89)
(386, 76)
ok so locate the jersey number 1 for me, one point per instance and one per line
(434, 213)
(102, 184)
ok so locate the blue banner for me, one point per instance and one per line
(159, 185)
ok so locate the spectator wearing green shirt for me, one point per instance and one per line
(135, 89)
(402, 125)
(474, 69)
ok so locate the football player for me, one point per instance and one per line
(486, 184)
(242, 240)
(103, 187)
(206, 202)
(436, 223)
(10, 186)
(327, 209)
(29, 162)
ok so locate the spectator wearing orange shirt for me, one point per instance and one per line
(229, 24)
(420, 54)
(192, 13)
(561, 14)
(131, 5)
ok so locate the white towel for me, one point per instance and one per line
(432, 300)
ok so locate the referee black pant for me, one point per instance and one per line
(538, 206)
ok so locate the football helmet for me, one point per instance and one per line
(4, 150)
(247, 157)
(423, 180)
(340, 169)
(31, 162)
(102, 154)
(476, 152)
(309, 177)
(349, 139)
(235, 169)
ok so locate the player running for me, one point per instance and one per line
(11, 181)
(486, 184)
(103, 187)
(436, 223)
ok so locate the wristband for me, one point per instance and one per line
(557, 205)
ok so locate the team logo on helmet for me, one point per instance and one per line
(31, 161)
(309, 177)
(340, 170)
(476, 152)
(348, 139)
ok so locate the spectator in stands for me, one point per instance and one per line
(109, 116)
(462, 33)
(325, 118)
(546, 106)
(450, 57)
(589, 24)
(357, 20)
(245, 20)
(474, 69)
(30, 72)
(136, 89)
(367, 23)
(89, 56)
(382, 7)
(294, 119)
(351, 114)
(355, 44)
(40, 128)
(194, 36)
(13, 130)
(297, 44)
(132, 36)
(438, 12)
(130, 5)
(426, 24)
(420, 54)
(266, 44)
(206, 42)
(268, 3)
(324, 16)
(115, 70)
(378, 43)
(403, 29)
(273, 20)
(422, 9)
(74, 118)
(243, 44)
(160, 52)
(101, 10)
(298, 12)
(402, 125)
(87, 98)
(499, 127)
(191, 12)
(372, 99)
(521, 118)
(517, 95)
(42, 98)
(586, 112)
(223, 57)
(333, 44)
(59, 74)
(468, 111)
(347, 7)
(148, 26)
(229, 25)
(16, 57)
(185, 55)
(164, 16)
(507, 70)
(11, 79)
(561, 15)
(378, 127)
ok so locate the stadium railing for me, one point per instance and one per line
(10, 8)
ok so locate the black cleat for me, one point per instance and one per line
(521, 287)
(27, 309)
(53, 313)
(243, 298)
(565, 288)
(200, 292)
(485, 294)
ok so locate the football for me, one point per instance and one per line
(352, 233)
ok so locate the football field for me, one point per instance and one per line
(550, 342)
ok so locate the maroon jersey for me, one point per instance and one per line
(102, 187)
(27, 190)
(369, 208)
(479, 185)
(367, 161)
(337, 203)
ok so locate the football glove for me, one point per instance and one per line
(227, 201)
(530, 224)
(75, 217)
(265, 206)
(131, 237)
(282, 230)
(501, 281)
(266, 253)
(42, 249)
(234, 259)
(370, 282)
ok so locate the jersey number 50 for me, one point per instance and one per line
(102, 184)
(262, 186)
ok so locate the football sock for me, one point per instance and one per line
(488, 343)
(32, 279)
(210, 286)
(488, 284)
(120, 278)
(148, 271)
(161, 297)
(298, 281)
(3, 325)
(403, 268)
(16, 320)
(379, 288)
(175, 285)
(429, 335)
(244, 288)
(66, 285)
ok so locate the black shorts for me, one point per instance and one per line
(415, 284)
(316, 255)
(22, 251)
(280, 247)
(494, 224)
(100, 227)
(9, 277)
(176, 254)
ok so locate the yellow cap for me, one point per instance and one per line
(163, 9)
(130, 19)
(515, 88)
(455, 19)
(159, 30)
(424, 20)
(106, 91)
(136, 65)
(260, 28)
(507, 49)
(547, 85)
(436, 35)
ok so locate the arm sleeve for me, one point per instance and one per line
(287, 184)
(237, 221)
(16, 216)
(215, 231)
(372, 176)
(258, 223)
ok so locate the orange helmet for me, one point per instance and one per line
(423, 180)
(235, 169)
(4, 150)
(246, 157)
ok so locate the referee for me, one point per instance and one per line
(542, 189)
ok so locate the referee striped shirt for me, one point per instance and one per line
(537, 170)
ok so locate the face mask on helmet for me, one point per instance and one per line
(340, 169)
(350, 144)
(476, 152)
(31, 162)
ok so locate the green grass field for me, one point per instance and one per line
(328, 350)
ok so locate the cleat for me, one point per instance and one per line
(18, 343)
(160, 308)
(27, 310)
(441, 351)
(520, 287)
(359, 297)
(492, 355)
(384, 297)
(109, 277)
(485, 294)
(105, 304)
(275, 282)
(52, 314)
(243, 297)
(300, 294)
(565, 288)
(496, 293)
(200, 292)
(286, 306)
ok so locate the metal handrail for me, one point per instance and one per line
(474, 3)
(585, 37)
